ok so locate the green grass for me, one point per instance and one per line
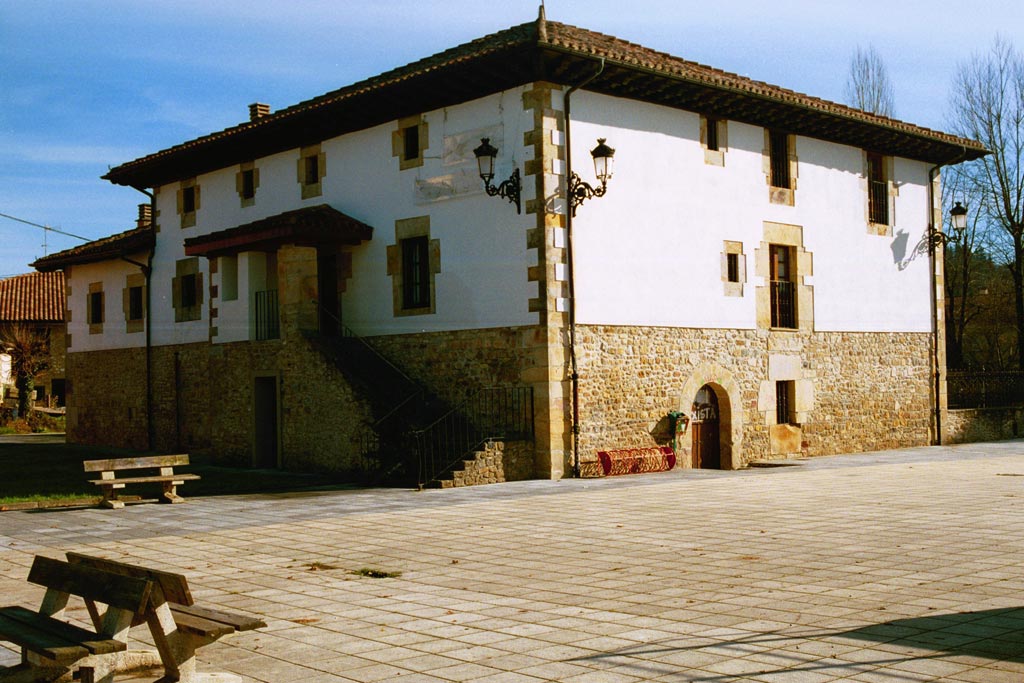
(37, 470)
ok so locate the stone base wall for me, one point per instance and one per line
(974, 425)
(203, 402)
(455, 364)
(853, 391)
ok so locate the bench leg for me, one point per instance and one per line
(110, 500)
(170, 494)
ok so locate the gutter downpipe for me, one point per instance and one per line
(573, 373)
(934, 279)
(147, 271)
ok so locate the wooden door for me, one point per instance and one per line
(706, 453)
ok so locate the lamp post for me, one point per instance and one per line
(509, 189)
(958, 216)
(579, 191)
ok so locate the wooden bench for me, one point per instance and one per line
(109, 483)
(177, 625)
(637, 460)
(52, 647)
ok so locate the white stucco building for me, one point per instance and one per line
(757, 265)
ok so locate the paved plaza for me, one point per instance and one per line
(896, 566)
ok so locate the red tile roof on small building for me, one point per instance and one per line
(121, 245)
(33, 298)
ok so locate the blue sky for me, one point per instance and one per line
(85, 85)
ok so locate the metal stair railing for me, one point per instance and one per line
(491, 414)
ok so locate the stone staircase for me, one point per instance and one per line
(485, 467)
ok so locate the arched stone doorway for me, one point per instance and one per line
(705, 449)
(710, 383)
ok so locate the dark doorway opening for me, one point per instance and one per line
(265, 433)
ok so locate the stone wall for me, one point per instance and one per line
(854, 391)
(203, 402)
(973, 425)
(455, 364)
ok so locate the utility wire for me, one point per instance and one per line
(46, 227)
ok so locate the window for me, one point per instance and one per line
(878, 190)
(413, 261)
(311, 171)
(712, 134)
(785, 391)
(409, 141)
(94, 308)
(188, 202)
(189, 295)
(246, 181)
(783, 286)
(415, 272)
(778, 154)
(312, 174)
(734, 268)
(712, 139)
(187, 290)
(135, 303)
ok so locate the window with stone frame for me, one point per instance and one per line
(409, 142)
(312, 168)
(188, 202)
(95, 308)
(413, 261)
(247, 180)
(734, 268)
(187, 290)
(783, 286)
(713, 139)
(880, 189)
(134, 303)
(780, 166)
(785, 400)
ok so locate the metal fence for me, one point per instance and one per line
(498, 413)
(984, 389)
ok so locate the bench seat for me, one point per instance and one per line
(52, 638)
(145, 480)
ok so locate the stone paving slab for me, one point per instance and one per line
(893, 566)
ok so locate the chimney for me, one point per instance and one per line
(145, 216)
(257, 110)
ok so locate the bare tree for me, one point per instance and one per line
(868, 86)
(987, 104)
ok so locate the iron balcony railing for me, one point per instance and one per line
(878, 202)
(783, 304)
(492, 414)
(984, 389)
(268, 321)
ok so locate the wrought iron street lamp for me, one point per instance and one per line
(509, 189)
(579, 191)
(958, 216)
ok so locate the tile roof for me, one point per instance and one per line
(123, 244)
(541, 51)
(313, 225)
(33, 297)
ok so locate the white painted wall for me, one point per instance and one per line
(113, 275)
(648, 253)
(484, 260)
